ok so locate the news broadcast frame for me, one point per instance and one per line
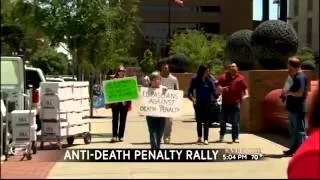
(155, 89)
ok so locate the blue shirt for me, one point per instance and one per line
(205, 90)
(299, 83)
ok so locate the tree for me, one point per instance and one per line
(200, 48)
(20, 30)
(147, 64)
(307, 58)
(50, 61)
(99, 32)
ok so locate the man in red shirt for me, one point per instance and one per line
(234, 89)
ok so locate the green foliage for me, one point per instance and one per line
(200, 48)
(305, 53)
(20, 28)
(239, 50)
(50, 61)
(147, 64)
(272, 43)
(98, 32)
(307, 58)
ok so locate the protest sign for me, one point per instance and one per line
(120, 90)
(160, 103)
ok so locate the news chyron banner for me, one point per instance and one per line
(162, 155)
(160, 102)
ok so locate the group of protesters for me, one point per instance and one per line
(214, 100)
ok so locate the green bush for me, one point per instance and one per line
(199, 48)
(273, 42)
(50, 61)
(239, 50)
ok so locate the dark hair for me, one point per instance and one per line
(294, 63)
(201, 71)
(314, 112)
(162, 62)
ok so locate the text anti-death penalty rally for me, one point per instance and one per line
(96, 155)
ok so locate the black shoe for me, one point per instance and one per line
(289, 152)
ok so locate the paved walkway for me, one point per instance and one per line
(184, 136)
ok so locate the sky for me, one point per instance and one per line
(257, 15)
(257, 10)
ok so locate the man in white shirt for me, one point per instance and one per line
(171, 82)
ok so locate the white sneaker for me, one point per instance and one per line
(167, 141)
(114, 139)
(206, 142)
(236, 141)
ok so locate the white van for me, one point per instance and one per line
(17, 79)
(12, 82)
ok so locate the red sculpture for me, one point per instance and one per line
(273, 109)
(274, 112)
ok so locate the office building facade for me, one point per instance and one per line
(213, 16)
(304, 17)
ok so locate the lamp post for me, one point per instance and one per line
(169, 29)
(282, 9)
(169, 19)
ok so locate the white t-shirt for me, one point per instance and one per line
(171, 82)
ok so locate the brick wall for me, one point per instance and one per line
(184, 81)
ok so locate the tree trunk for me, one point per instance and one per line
(91, 83)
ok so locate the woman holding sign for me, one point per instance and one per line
(205, 91)
(119, 112)
(156, 125)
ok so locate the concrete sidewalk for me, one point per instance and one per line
(184, 136)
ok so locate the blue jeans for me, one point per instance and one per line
(296, 129)
(233, 111)
(156, 127)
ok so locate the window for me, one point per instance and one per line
(210, 8)
(310, 4)
(309, 31)
(10, 70)
(166, 9)
(296, 27)
(296, 7)
(213, 28)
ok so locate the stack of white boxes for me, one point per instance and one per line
(64, 102)
(56, 107)
(81, 96)
(23, 126)
(81, 101)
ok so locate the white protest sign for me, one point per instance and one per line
(160, 103)
(3, 109)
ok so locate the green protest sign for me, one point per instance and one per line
(120, 90)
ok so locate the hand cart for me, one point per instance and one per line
(27, 143)
(55, 130)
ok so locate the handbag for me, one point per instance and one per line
(214, 107)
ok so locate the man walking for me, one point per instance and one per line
(171, 82)
(295, 104)
(234, 89)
